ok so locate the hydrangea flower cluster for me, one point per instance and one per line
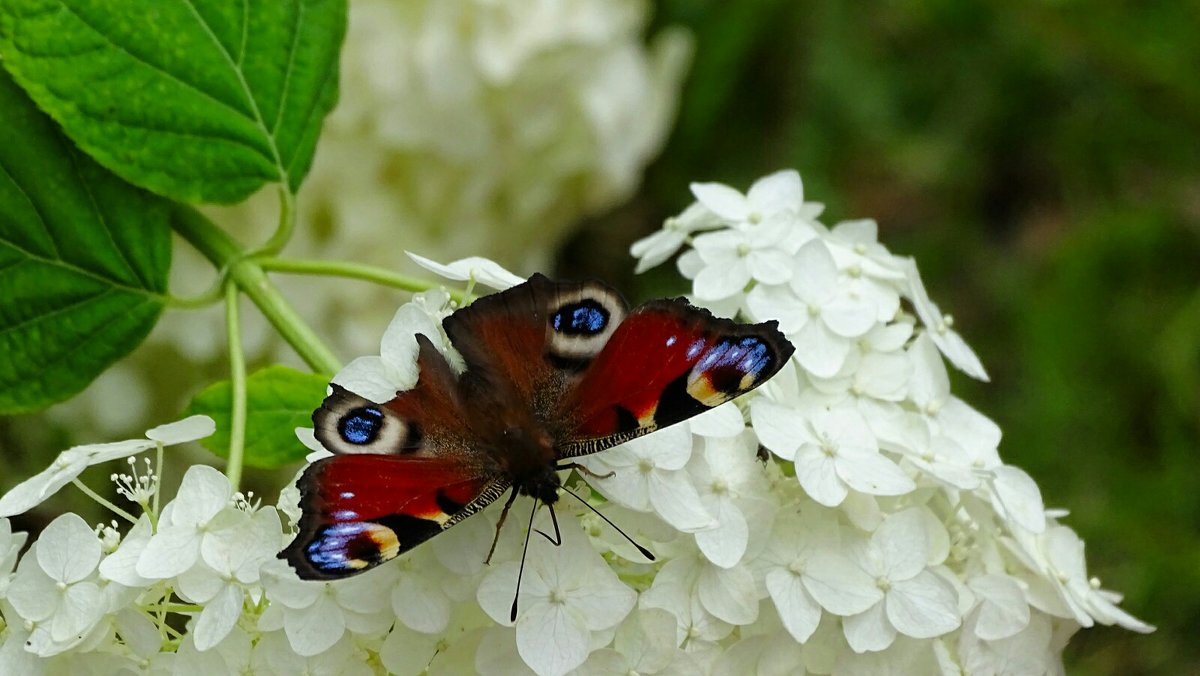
(850, 517)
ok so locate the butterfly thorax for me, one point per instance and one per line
(527, 455)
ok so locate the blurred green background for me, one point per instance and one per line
(1042, 162)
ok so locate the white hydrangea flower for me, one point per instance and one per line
(191, 525)
(647, 474)
(657, 247)
(55, 586)
(70, 463)
(912, 599)
(567, 594)
(833, 449)
(315, 616)
(816, 310)
(232, 559)
(804, 572)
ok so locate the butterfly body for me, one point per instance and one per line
(553, 371)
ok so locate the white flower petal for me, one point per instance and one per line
(81, 608)
(203, 492)
(675, 499)
(1003, 610)
(902, 543)
(818, 474)
(848, 317)
(189, 429)
(725, 544)
(717, 282)
(819, 350)
(729, 594)
(776, 192)
(839, 586)
(869, 631)
(723, 421)
(923, 607)
(420, 604)
(552, 639)
(722, 200)
(1019, 497)
(799, 612)
(218, 617)
(313, 630)
(481, 270)
(369, 377)
(815, 274)
(68, 549)
(170, 552)
(871, 472)
(121, 565)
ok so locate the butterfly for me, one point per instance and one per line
(554, 371)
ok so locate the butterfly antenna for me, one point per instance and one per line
(645, 552)
(503, 515)
(557, 539)
(512, 616)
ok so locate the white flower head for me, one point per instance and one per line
(70, 463)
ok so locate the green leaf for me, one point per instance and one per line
(83, 261)
(198, 100)
(279, 399)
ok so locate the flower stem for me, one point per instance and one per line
(237, 377)
(368, 273)
(216, 245)
(104, 501)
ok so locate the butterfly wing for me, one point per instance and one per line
(360, 510)
(403, 472)
(666, 362)
(535, 338)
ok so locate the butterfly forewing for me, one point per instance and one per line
(668, 361)
(363, 509)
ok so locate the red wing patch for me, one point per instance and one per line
(668, 361)
(361, 510)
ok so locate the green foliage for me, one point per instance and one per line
(199, 101)
(83, 261)
(279, 399)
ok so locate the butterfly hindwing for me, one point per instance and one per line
(360, 510)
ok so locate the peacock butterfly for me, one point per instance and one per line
(554, 371)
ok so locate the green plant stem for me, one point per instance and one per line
(237, 379)
(352, 271)
(104, 501)
(216, 245)
(287, 224)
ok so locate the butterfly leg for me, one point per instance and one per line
(503, 515)
(557, 539)
(584, 470)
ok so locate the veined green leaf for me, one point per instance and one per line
(83, 260)
(198, 100)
